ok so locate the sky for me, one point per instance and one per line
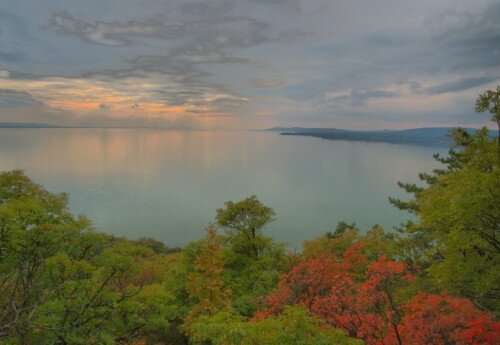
(248, 64)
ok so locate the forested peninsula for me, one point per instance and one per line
(430, 136)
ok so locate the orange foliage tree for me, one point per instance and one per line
(361, 297)
(205, 285)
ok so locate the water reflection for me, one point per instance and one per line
(167, 184)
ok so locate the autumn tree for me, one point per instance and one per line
(443, 319)
(375, 242)
(205, 284)
(349, 292)
(363, 298)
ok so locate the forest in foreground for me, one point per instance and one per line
(433, 281)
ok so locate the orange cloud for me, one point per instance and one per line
(129, 96)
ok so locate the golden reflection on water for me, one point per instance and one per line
(167, 184)
(93, 152)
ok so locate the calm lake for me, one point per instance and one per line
(168, 184)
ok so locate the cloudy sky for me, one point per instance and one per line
(359, 64)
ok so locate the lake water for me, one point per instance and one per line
(168, 184)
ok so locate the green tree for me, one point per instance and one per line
(293, 327)
(490, 101)
(157, 246)
(461, 214)
(243, 222)
(61, 282)
(35, 226)
(254, 262)
(455, 240)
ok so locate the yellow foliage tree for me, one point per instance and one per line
(205, 285)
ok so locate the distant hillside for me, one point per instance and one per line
(432, 136)
(26, 125)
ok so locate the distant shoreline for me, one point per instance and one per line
(371, 140)
(427, 136)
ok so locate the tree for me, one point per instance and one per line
(205, 284)
(35, 226)
(461, 213)
(376, 242)
(456, 238)
(88, 296)
(243, 222)
(490, 100)
(157, 246)
(328, 243)
(254, 262)
(295, 326)
(443, 319)
(364, 299)
(61, 282)
(349, 292)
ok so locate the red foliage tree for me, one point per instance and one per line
(443, 319)
(347, 291)
(360, 297)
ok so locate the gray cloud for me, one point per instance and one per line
(208, 8)
(107, 33)
(460, 85)
(204, 31)
(360, 97)
(221, 58)
(468, 40)
(104, 106)
(291, 5)
(266, 83)
(183, 61)
(14, 99)
(189, 88)
(11, 56)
